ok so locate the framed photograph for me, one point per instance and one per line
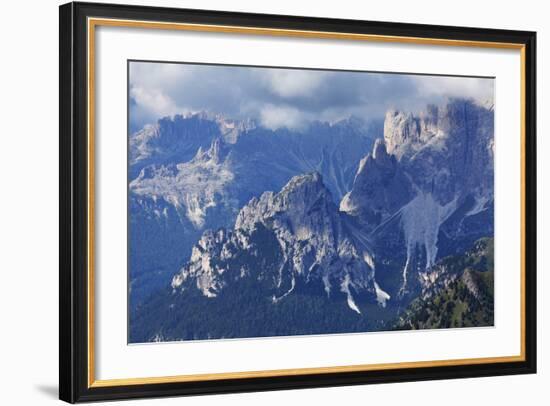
(257, 202)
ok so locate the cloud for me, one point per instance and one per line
(153, 100)
(289, 83)
(445, 86)
(285, 97)
(274, 117)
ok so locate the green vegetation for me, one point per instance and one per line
(190, 315)
(462, 296)
(463, 299)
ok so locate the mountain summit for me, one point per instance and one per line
(195, 172)
(426, 191)
(329, 230)
(293, 240)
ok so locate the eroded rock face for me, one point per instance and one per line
(317, 212)
(302, 239)
(381, 187)
(190, 173)
(427, 189)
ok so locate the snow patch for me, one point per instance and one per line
(381, 296)
(346, 205)
(368, 259)
(421, 219)
(479, 205)
(292, 286)
(344, 287)
(326, 283)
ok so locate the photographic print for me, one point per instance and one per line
(267, 197)
(281, 201)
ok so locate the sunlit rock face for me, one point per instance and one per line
(301, 241)
(427, 189)
(337, 228)
(194, 172)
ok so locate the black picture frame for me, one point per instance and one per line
(74, 199)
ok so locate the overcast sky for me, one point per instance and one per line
(285, 97)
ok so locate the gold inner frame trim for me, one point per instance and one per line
(94, 22)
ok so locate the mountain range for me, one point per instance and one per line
(195, 172)
(240, 231)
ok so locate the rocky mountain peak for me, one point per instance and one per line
(422, 191)
(313, 245)
(433, 185)
(380, 187)
(231, 129)
(306, 185)
(216, 154)
(400, 130)
(303, 199)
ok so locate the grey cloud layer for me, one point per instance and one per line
(285, 97)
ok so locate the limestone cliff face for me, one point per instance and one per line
(381, 187)
(427, 189)
(328, 214)
(194, 172)
(303, 237)
(424, 191)
(448, 150)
